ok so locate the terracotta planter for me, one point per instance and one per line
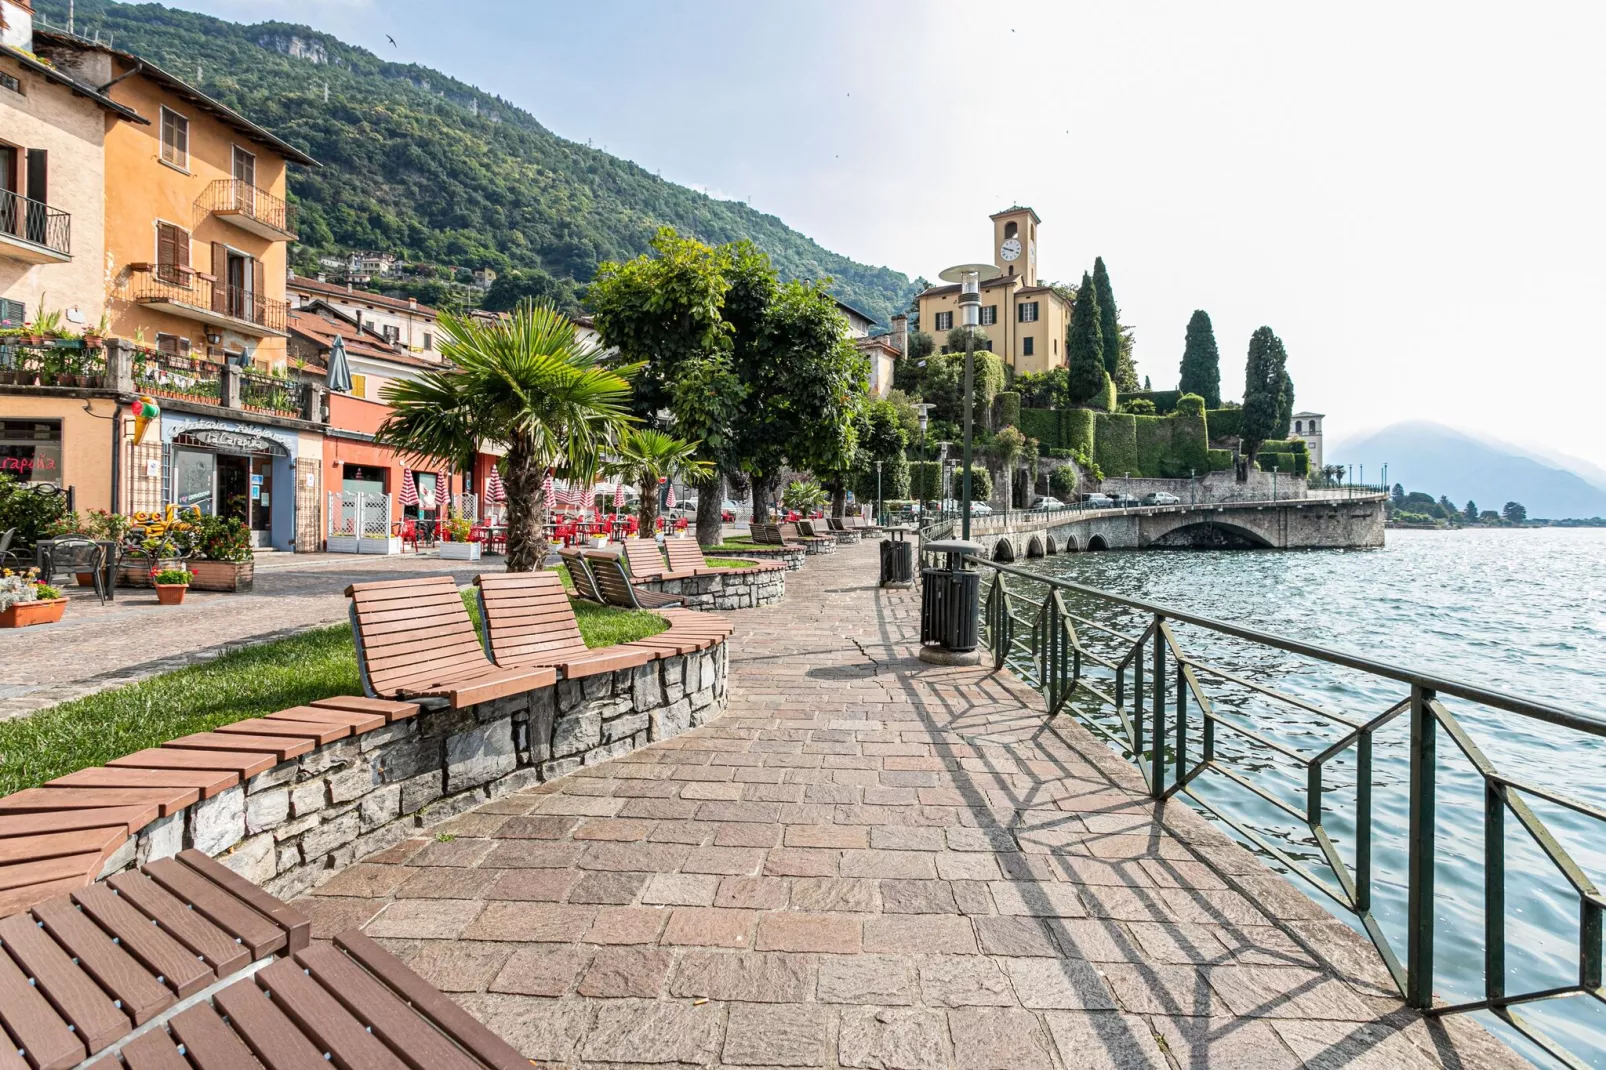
(43, 611)
(222, 575)
(85, 579)
(171, 594)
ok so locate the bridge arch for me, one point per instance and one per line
(1096, 542)
(1212, 535)
(1050, 545)
(1071, 545)
(1003, 551)
(1034, 548)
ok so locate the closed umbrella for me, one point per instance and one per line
(548, 493)
(409, 490)
(338, 377)
(669, 502)
(494, 489)
(618, 497)
(443, 491)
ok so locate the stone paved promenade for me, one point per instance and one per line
(869, 862)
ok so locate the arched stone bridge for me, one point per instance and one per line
(1307, 523)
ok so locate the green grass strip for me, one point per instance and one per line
(728, 562)
(257, 680)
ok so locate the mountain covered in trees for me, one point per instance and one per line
(430, 168)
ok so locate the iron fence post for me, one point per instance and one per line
(1494, 890)
(1419, 898)
(1363, 821)
(1157, 757)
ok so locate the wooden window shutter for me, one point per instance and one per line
(166, 250)
(181, 244)
(220, 281)
(256, 305)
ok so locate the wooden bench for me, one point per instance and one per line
(585, 584)
(415, 640)
(608, 572)
(645, 561)
(185, 965)
(686, 558)
(790, 533)
(811, 529)
(768, 535)
(530, 624)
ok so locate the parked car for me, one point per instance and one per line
(1160, 497)
(1099, 501)
(1045, 503)
(1123, 500)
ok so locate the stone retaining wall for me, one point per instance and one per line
(737, 589)
(293, 826)
(791, 556)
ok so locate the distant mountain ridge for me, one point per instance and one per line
(1441, 460)
(419, 163)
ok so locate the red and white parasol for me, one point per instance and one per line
(548, 493)
(494, 489)
(619, 496)
(669, 502)
(443, 491)
(409, 488)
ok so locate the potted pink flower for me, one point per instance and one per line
(170, 584)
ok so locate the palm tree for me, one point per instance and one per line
(644, 456)
(527, 383)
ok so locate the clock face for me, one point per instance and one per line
(1010, 249)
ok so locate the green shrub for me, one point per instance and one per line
(1218, 460)
(1287, 463)
(225, 538)
(981, 482)
(1043, 425)
(1008, 407)
(35, 516)
(1225, 423)
(1190, 441)
(1152, 440)
(1062, 482)
(1164, 401)
(1058, 454)
(1105, 400)
(1116, 443)
(1294, 445)
(1138, 407)
(1190, 405)
(1079, 430)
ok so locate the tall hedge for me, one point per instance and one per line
(1225, 423)
(1286, 463)
(894, 480)
(1043, 425)
(1116, 443)
(1165, 401)
(1079, 431)
(1190, 438)
(925, 481)
(1008, 406)
(1152, 439)
(1218, 460)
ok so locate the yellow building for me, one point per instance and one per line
(196, 221)
(1025, 321)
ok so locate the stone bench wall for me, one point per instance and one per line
(295, 825)
(738, 589)
(791, 556)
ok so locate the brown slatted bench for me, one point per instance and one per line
(645, 561)
(529, 624)
(185, 965)
(57, 837)
(608, 572)
(585, 584)
(686, 558)
(790, 533)
(812, 529)
(415, 640)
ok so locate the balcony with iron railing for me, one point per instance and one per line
(249, 208)
(33, 232)
(193, 295)
(277, 395)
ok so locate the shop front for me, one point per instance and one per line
(232, 469)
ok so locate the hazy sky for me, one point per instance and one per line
(1410, 195)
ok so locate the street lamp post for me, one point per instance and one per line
(878, 517)
(925, 408)
(969, 277)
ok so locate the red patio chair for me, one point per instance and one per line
(409, 534)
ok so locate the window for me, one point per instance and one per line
(1026, 347)
(12, 313)
(1027, 312)
(172, 254)
(175, 139)
(1010, 230)
(30, 450)
(989, 315)
(1298, 428)
(392, 333)
(429, 340)
(173, 345)
(245, 166)
(944, 321)
(8, 82)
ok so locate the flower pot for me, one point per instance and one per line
(42, 611)
(171, 594)
(85, 579)
(460, 551)
(136, 571)
(234, 576)
(94, 341)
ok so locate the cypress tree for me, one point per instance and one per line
(1285, 415)
(1201, 363)
(1471, 512)
(1084, 348)
(1263, 389)
(1109, 318)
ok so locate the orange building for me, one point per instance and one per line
(196, 221)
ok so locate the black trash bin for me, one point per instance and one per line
(950, 601)
(897, 559)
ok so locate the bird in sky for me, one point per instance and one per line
(392, 41)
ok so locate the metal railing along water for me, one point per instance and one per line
(1181, 720)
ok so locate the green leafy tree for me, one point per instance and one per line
(530, 284)
(1007, 445)
(527, 382)
(921, 346)
(1398, 494)
(1044, 390)
(1084, 349)
(1116, 347)
(1470, 512)
(1285, 415)
(647, 458)
(1514, 513)
(1201, 363)
(1448, 508)
(1263, 390)
(955, 341)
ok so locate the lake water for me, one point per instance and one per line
(1520, 611)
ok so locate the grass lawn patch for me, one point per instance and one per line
(247, 683)
(728, 562)
(731, 546)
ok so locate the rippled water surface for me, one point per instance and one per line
(1521, 611)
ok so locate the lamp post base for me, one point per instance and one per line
(936, 655)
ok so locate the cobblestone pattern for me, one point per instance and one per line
(740, 590)
(131, 637)
(871, 862)
(306, 819)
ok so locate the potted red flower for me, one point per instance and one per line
(170, 584)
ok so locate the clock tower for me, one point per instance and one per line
(1015, 243)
